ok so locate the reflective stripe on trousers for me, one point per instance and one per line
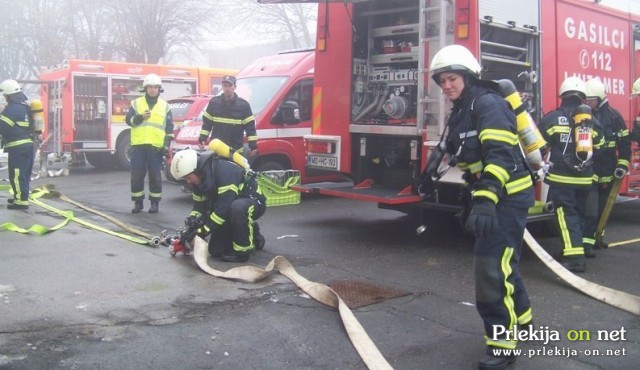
(501, 297)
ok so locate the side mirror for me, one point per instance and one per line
(288, 113)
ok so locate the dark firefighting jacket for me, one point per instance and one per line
(228, 120)
(616, 149)
(558, 129)
(14, 122)
(222, 183)
(484, 143)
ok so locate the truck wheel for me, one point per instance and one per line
(269, 166)
(123, 151)
(102, 161)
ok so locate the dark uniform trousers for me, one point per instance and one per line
(501, 298)
(20, 164)
(146, 158)
(571, 208)
(236, 235)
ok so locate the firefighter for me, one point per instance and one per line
(17, 139)
(151, 133)
(482, 140)
(228, 117)
(635, 91)
(611, 161)
(570, 177)
(226, 198)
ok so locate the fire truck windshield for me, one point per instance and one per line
(259, 91)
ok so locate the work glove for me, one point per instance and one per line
(482, 220)
(193, 221)
(187, 236)
(620, 171)
(202, 140)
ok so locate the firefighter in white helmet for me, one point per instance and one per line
(226, 202)
(572, 133)
(482, 140)
(17, 138)
(611, 161)
(151, 133)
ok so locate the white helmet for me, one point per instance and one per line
(573, 86)
(152, 79)
(635, 90)
(454, 58)
(183, 163)
(595, 89)
(8, 87)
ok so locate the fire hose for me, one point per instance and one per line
(616, 298)
(320, 292)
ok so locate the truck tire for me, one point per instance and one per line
(269, 165)
(102, 161)
(123, 151)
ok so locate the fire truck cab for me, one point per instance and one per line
(86, 103)
(377, 113)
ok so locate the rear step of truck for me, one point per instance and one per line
(366, 191)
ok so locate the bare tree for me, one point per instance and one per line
(148, 29)
(271, 21)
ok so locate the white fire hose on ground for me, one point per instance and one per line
(616, 298)
(320, 292)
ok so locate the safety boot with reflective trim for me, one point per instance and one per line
(154, 207)
(496, 359)
(137, 207)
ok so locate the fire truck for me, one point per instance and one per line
(86, 103)
(377, 113)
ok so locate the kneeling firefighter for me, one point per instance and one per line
(227, 200)
(482, 141)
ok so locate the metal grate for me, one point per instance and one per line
(358, 294)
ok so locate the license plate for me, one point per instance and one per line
(322, 161)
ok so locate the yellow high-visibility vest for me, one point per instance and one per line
(151, 131)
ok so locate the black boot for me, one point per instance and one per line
(244, 257)
(496, 360)
(137, 207)
(154, 207)
(17, 206)
(589, 251)
(575, 264)
(258, 239)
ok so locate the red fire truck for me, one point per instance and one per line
(377, 113)
(86, 103)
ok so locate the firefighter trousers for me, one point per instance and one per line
(571, 208)
(596, 200)
(146, 158)
(501, 297)
(236, 235)
(20, 164)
